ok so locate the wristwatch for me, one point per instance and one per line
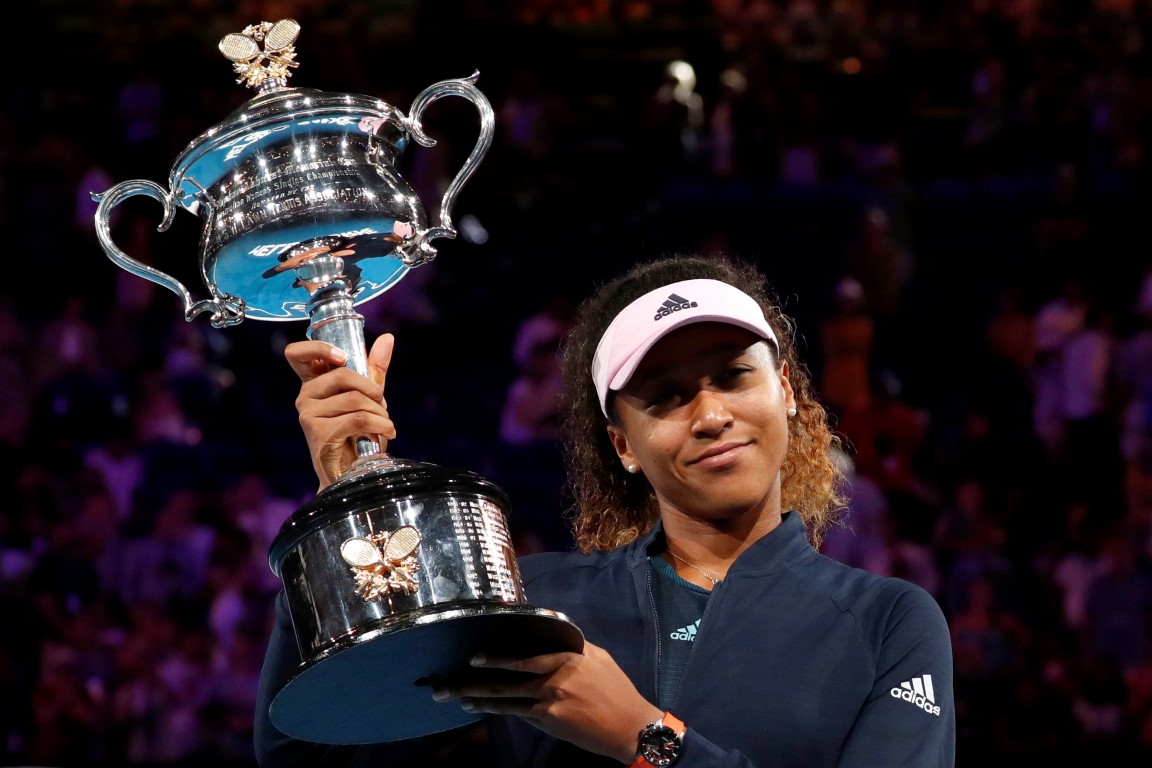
(660, 743)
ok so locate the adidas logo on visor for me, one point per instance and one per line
(674, 303)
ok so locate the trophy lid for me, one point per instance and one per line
(279, 115)
(277, 112)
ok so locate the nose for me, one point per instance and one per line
(710, 414)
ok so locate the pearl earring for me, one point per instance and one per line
(792, 412)
(632, 468)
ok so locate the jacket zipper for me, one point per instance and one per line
(656, 623)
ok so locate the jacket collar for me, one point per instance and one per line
(779, 549)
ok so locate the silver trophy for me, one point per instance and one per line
(401, 570)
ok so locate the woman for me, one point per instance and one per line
(701, 464)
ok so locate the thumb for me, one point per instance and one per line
(380, 357)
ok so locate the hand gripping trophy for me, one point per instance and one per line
(400, 570)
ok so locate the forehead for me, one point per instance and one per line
(699, 345)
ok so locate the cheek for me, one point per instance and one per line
(765, 407)
(654, 442)
(773, 425)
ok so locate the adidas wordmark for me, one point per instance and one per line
(674, 303)
(686, 633)
(919, 691)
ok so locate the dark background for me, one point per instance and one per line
(999, 152)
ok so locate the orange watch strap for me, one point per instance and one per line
(672, 722)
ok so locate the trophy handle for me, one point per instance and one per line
(420, 250)
(226, 310)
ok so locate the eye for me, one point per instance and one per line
(661, 398)
(732, 375)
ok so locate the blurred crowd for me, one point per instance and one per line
(953, 199)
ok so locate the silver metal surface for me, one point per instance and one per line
(395, 576)
(465, 556)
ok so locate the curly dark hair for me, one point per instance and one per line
(613, 507)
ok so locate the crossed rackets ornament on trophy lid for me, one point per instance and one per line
(400, 571)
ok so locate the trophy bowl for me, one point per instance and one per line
(400, 571)
(293, 175)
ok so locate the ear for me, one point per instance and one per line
(789, 395)
(620, 443)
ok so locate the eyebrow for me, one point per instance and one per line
(722, 351)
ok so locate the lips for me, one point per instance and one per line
(719, 454)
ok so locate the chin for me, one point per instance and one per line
(731, 507)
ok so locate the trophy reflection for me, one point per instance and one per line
(400, 570)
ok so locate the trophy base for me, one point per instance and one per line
(376, 686)
(395, 576)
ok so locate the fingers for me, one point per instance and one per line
(332, 424)
(310, 359)
(342, 406)
(337, 405)
(537, 665)
(583, 698)
(345, 414)
(522, 687)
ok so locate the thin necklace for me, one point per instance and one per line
(691, 565)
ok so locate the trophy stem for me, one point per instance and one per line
(335, 320)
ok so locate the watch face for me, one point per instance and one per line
(660, 745)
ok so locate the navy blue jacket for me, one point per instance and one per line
(799, 662)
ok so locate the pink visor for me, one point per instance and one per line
(649, 318)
